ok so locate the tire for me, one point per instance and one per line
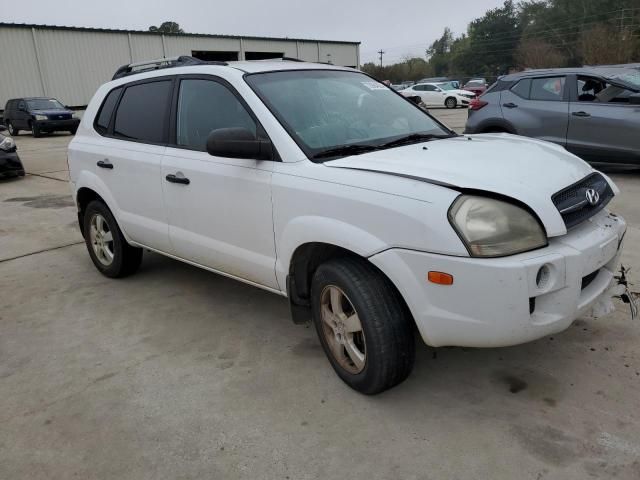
(13, 131)
(451, 102)
(385, 344)
(124, 259)
(35, 130)
(73, 131)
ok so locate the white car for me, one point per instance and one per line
(320, 184)
(432, 94)
(450, 88)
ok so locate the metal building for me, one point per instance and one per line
(69, 63)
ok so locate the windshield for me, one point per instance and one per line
(629, 76)
(324, 110)
(44, 104)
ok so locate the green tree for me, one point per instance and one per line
(166, 27)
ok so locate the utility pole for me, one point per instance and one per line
(381, 52)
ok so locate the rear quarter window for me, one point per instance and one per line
(522, 88)
(106, 111)
(549, 89)
(142, 112)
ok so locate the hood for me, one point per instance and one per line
(525, 169)
(58, 111)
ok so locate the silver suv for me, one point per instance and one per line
(593, 112)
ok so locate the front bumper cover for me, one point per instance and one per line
(501, 301)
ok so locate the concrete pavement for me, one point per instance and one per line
(176, 373)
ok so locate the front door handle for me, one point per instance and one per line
(105, 164)
(178, 178)
(580, 114)
(510, 105)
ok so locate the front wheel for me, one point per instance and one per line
(13, 131)
(108, 249)
(35, 130)
(73, 130)
(450, 102)
(364, 326)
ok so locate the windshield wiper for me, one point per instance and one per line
(413, 138)
(345, 150)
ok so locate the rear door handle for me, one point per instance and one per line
(580, 114)
(510, 105)
(105, 164)
(178, 178)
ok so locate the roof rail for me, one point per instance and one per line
(160, 63)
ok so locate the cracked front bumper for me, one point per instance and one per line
(505, 301)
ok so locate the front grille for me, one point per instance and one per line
(586, 280)
(573, 204)
(60, 116)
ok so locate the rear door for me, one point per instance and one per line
(133, 122)
(603, 126)
(538, 107)
(220, 213)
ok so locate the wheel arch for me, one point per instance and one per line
(304, 262)
(496, 125)
(92, 188)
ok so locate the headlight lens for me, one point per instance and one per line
(41, 117)
(493, 228)
(6, 143)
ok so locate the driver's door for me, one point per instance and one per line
(219, 209)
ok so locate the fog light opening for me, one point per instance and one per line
(543, 276)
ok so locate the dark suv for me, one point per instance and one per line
(593, 112)
(40, 115)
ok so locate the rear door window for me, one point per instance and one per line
(548, 89)
(142, 113)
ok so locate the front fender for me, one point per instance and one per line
(317, 229)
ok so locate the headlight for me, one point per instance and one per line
(73, 115)
(6, 143)
(493, 228)
(41, 117)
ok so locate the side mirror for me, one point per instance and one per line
(22, 108)
(634, 99)
(238, 143)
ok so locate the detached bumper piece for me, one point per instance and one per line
(10, 165)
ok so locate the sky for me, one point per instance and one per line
(399, 28)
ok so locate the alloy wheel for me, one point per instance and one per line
(101, 240)
(342, 329)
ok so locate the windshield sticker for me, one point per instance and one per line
(375, 86)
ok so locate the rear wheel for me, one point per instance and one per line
(108, 249)
(364, 326)
(450, 102)
(13, 131)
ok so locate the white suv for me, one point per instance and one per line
(321, 184)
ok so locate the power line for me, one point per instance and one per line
(381, 52)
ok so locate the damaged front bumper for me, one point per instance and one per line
(506, 301)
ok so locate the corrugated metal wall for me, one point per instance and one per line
(71, 64)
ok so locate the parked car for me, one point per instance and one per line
(320, 184)
(451, 87)
(476, 85)
(10, 164)
(592, 112)
(435, 95)
(39, 115)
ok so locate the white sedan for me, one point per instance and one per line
(434, 94)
